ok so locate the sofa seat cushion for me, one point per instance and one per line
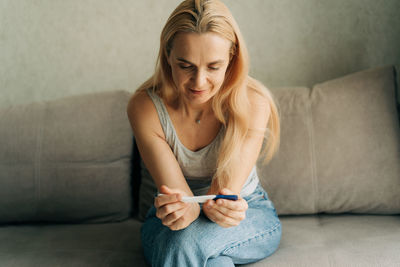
(108, 244)
(337, 240)
(311, 240)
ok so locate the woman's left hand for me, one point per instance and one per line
(226, 213)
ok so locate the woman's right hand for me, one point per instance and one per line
(226, 213)
(174, 213)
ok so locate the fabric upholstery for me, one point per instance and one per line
(84, 245)
(357, 143)
(337, 240)
(339, 147)
(315, 240)
(66, 160)
(288, 178)
(69, 161)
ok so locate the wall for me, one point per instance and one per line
(55, 48)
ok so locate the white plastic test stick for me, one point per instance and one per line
(202, 199)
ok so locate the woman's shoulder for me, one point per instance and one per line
(141, 110)
(259, 105)
(139, 101)
(257, 93)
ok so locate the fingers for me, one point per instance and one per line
(168, 209)
(237, 214)
(181, 218)
(224, 212)
(221, 219)
(166, 199)
(172, 218)
(166, 190)
(169, 196)
(238, 205)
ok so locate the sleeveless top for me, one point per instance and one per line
(198, 167)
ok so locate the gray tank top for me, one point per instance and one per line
(198, 167)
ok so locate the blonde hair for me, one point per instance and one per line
(231, 103)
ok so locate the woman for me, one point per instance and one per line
(199, 123)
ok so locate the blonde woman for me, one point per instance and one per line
(199, 123)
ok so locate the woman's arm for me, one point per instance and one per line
(154, 150)
(229, 213)
(161, 163)
(259, 116)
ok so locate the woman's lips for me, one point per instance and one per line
(197, 92)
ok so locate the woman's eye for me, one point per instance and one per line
(185, 66)
(213, 68)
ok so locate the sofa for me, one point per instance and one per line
(71, 192)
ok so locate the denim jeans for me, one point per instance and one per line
(205, 243)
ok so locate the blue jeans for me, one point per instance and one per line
(205, 243)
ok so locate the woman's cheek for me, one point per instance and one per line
(220, 80)
(179, 78)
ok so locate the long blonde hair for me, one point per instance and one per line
(231, 103)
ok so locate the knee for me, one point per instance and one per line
(273, 240)
(176, 242)
(257, 247)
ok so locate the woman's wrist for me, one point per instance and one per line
(196, 209)
(215, 188)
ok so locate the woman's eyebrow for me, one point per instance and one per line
(188, 62)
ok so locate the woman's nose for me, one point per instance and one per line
(200, 79)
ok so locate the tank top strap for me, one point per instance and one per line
(162, 115)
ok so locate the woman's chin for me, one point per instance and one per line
(198, 98)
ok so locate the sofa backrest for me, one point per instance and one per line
(66, 160)
(340, 147)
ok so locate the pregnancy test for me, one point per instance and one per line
(202, 199)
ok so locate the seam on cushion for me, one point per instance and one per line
(38, 155)
(313, 166)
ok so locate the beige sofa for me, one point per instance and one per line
(69, 187)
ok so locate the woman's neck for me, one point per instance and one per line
(195, 113)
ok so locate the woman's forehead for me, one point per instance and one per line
(210, 46)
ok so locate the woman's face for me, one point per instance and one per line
(199, 63)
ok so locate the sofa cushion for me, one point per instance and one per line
(288, 178)
(66, 160)
(339, 147)
(84, 245)
(336, 241)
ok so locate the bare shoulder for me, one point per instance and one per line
(142, 114)
(258, 100)
(257, 96)
(140, 101)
